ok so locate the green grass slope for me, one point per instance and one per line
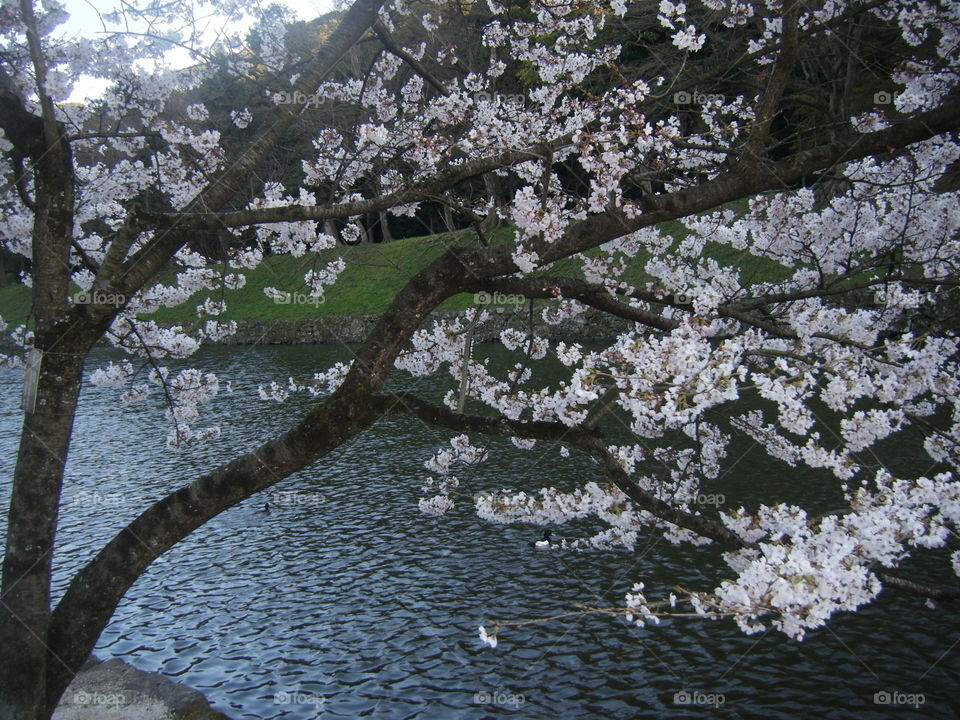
(374, 274)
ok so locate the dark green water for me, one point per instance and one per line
(351, 603)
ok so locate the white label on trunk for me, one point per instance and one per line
(31, 378)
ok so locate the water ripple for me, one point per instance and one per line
(349, 603)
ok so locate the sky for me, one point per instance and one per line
(84, 18)
(85, 21)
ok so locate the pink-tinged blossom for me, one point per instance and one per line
(241, 118)
(437, 505)
(526, 260)
(688, 39)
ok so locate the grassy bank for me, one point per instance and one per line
(375, 273)
(14, 304)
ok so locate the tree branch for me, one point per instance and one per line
(94, 592)
(422, 190)
(145, 262)
(591, 441)
(418, 67)
(786, 59)
(935, 593)
(588, 440)
(596, 296)
(20, 127)
(724, 188)
(612, 224)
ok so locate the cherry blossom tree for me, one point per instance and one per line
(699, 115)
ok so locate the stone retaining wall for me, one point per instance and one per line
(591, 325)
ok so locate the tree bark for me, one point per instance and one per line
(95, 591)
(385, 234)
(45, 436)
(31, 531)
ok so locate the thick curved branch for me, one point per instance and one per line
(95, 591)
(92, 596)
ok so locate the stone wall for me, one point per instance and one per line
(591, 325)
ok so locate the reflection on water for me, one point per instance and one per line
(346, 601)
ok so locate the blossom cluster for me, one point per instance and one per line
(827, 381)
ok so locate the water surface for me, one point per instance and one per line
(347, 602)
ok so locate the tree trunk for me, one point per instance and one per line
(385, 226)
(492, 188)
(45, 435)
(31, 529)
(330, 228)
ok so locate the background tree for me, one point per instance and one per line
(598, 152)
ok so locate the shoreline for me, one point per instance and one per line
(590, 325)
